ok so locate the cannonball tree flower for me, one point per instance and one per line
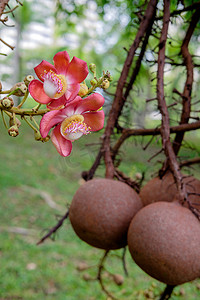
(59, 83)
(78, 118)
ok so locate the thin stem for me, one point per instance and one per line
(99, 276)
(4, 121)
(24, 99)
(25, 111)
(35, 129)
(36, 107)
(54, 229)
(5, 92)
(36, 124)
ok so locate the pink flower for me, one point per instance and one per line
(78, 118)
(59, 83)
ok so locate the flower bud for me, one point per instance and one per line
(105, 84)
(46, 139)
(19, 89)
(83, 90)
(37, 136)
(93, 82)
(28, 79)
(92, 68)
(13, 131)
(7, 102)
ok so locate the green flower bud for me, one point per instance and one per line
(19, 89)
(13, 131)
(28, 79)
(83, 90)
(37, 136)
(7, 102)
(92, 68)
(93, 82)
(46, 139)
(105, 84)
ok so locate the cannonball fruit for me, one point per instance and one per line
(164, 189)
(101, 212)
(164, 241)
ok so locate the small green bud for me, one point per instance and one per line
(105, 84)
(7, 102)
(83, 90)
(28, 79)
(13, 131)
(93, 82)
(46, 139)
(92, 68)
(110, 78)
(19, 89)
(37, 136)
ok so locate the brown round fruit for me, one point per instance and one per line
(101, 212)
(165, 190)
(164, 241)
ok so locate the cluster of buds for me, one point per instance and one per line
(103, 82)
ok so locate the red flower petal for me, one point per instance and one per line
(70, 108)
(91, 103)
(57, 103)
(37, 92)
(61, 62)
(95, 120)
(49, 120)
(72, 91)
(44, 66)
(77, 71)
(63, 146)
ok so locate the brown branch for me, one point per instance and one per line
(179, 11)
(126, 133)
(53, 229)
(190, 162)
(167, 292)
(186, 95)
(3, 4)
(119, 99)
(99, 276)
(165, 128)
(11, 10)
(124, 178)
(8, 45)
(140, 58)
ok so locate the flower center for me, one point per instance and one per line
(72, 128)
(54, 85)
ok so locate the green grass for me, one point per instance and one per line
(49, 271)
